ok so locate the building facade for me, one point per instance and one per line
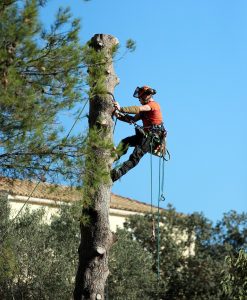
(50, 197)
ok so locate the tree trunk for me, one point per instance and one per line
(96, 237)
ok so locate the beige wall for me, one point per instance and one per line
(117, 216)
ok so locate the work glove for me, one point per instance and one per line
(116, 106)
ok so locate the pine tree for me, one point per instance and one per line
(41, 76)
(96, 237)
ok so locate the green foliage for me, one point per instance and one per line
(38, 259)
(232, 231)
(99, 140)
(96, 63)
(235, 276)
(192, 252)
(40, 78)
(114, 50)
(97, 170)
(131, 45)
(7, 258)
(131, 274)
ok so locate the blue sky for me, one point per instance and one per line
(194, 53)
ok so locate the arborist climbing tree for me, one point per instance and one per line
(151, 137)
(148, 138)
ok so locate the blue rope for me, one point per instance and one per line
(151, 178)
(161, 197)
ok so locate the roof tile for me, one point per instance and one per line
(65, 193)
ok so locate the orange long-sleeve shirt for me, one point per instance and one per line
(153, 116)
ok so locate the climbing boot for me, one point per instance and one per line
(115, 174)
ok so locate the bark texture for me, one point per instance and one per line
(96, 238)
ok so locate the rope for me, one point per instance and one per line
(151, 190)
(161, 197)
(158, 229)
(169, 155)
(39, 181)
(115, 124)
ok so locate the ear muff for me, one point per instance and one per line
(150, 91)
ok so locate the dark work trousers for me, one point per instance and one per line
(142, 146)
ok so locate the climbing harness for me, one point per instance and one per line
(156, 132)
(158, 135)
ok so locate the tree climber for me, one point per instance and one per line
(150, 113)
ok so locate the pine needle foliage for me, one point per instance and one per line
(95, 61)
(98, 140)
(96, 170)
(131, 45)
(41, 76)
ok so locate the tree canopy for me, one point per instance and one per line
(41, 78)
